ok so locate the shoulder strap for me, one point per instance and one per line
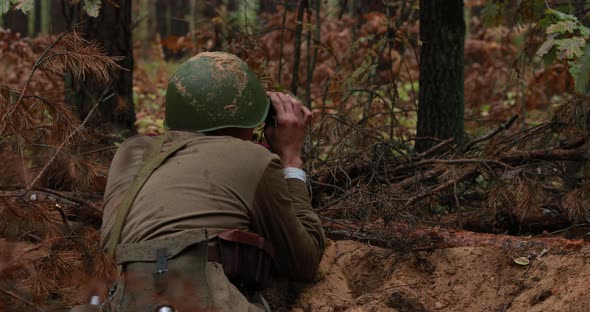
(153, 158)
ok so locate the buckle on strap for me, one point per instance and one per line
(161, 270)
(161, 261)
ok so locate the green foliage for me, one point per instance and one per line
(492, 13)
(91, 7)
(530, 11)
(497, 12)
(23, 5)
(547, 45)
(567, 38)
(405, 90)
(246, 17)
(570, 48)
(579, 69)
(6, 4)
(562, 27)
(561, 16)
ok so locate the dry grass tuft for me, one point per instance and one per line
(576, 205)
(509, 179)
(574, 111)
(76, 55)
(55, 269)
(29, 220)
(500, 198)
(37, 123)
(41, 138)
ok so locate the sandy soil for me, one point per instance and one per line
(357, 277)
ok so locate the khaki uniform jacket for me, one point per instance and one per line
(218, 183)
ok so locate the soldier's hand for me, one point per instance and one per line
(292, 120)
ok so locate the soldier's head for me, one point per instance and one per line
(215, 92)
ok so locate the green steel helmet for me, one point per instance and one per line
(214, 90)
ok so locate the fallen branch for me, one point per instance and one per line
(492, 134)
(17, 297)
(423, 172)
(577, 142)
(419, 177)
(434, 149)
(407, 237)
(452, 162)
(19, 191)
(464, 177)
(86, 211)
(556, 154)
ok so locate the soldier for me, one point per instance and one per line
(197, 218)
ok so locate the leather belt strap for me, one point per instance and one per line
(214, 254)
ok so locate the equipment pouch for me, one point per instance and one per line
(163, 272)
(246, 258)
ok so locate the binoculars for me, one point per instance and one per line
(270, 119)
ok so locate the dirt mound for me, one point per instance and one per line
(357, 277)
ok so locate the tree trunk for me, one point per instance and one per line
(441, 107)
(57, 20)
(172, 23)
(16, 21)
(179, 26)
(161, 18)
(303, 4)
(267, 6)
(112, 29)
(208, 10)
(31, 18)
(361, 7)
(45, 17)
(193, 18)
(146, 29)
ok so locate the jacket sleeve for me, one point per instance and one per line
(283, 215)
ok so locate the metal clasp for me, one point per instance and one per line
(161, 261)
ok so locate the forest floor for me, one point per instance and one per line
(454, 271)
(49, 252)
(358, 277)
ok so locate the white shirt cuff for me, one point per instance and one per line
(294, 173)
